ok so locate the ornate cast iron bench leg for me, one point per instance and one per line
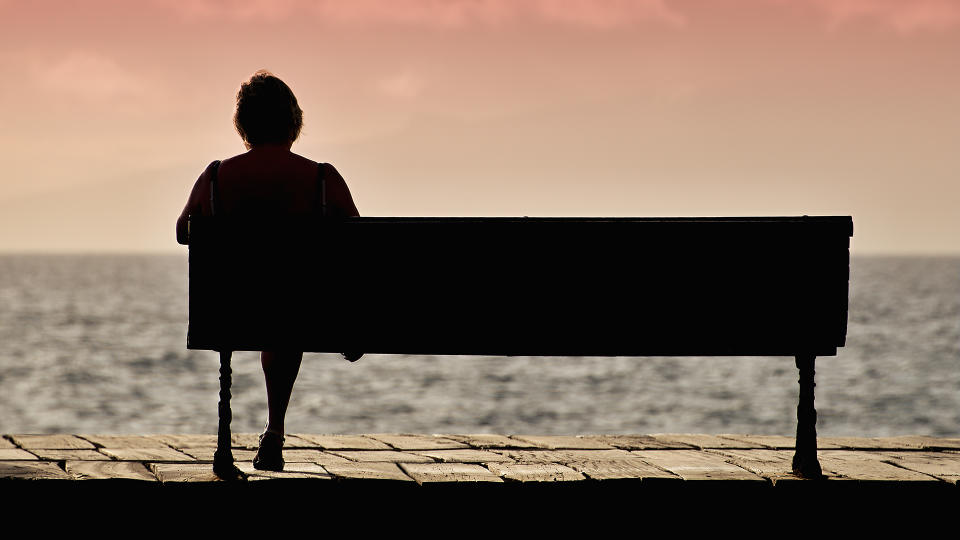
(805, 463)
(223, 458)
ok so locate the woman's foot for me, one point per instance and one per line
(270, 454)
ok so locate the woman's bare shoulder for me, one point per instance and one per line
(302, 159)
(238, 159)
(331, 172)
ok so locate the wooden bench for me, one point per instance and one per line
(524, 286)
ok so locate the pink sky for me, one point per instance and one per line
(110, 110)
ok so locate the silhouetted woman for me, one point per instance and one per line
(268, 179)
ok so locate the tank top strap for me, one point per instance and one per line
(214, 188)
(321, 190)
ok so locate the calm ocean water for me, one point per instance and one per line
(96, 344)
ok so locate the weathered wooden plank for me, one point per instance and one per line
(35, 470)
(73, 455)
(109, 470)
(943, 465)
(5, 444)
(490, 441)
(252, 440)
(403, 441)
(862, 443)
(464, 455)
(124, 441)
(184, 472)
(311, 455)
(343, 442)
(181, 441)
(919, 442)
(776, 465)
(637, 442)
(558, 442)
(16, 454)
(703, 441)
(776, 442)
(146, 454)
(937, 443)
(535, 472)
(868, 466)
(382, 455)
(564, 456)
(368, 471)
(621, 469)
(310, 471)
(425, 473)
(693, 465)
(205, 453)
(245, 440)
(51, 442)
(294, 441)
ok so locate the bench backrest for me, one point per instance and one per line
(521, 286)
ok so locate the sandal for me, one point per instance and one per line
(270, 454)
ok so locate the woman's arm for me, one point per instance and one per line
(197, 203)
(338, 195)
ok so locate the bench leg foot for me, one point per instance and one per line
(805, 463)
(223, 465)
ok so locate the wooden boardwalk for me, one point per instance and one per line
(420, 460)
(478, 484)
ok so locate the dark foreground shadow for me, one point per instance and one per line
(392, 507)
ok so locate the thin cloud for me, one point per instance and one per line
(904, 16)
(436, 13)
(242, 10)
(403, 85)
(88, 75)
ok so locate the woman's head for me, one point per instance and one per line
(267, 111)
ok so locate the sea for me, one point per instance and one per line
(97, 344)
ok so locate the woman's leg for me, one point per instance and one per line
(280, 369)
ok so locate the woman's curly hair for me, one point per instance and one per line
(267, 111)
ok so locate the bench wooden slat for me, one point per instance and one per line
(521, 286)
